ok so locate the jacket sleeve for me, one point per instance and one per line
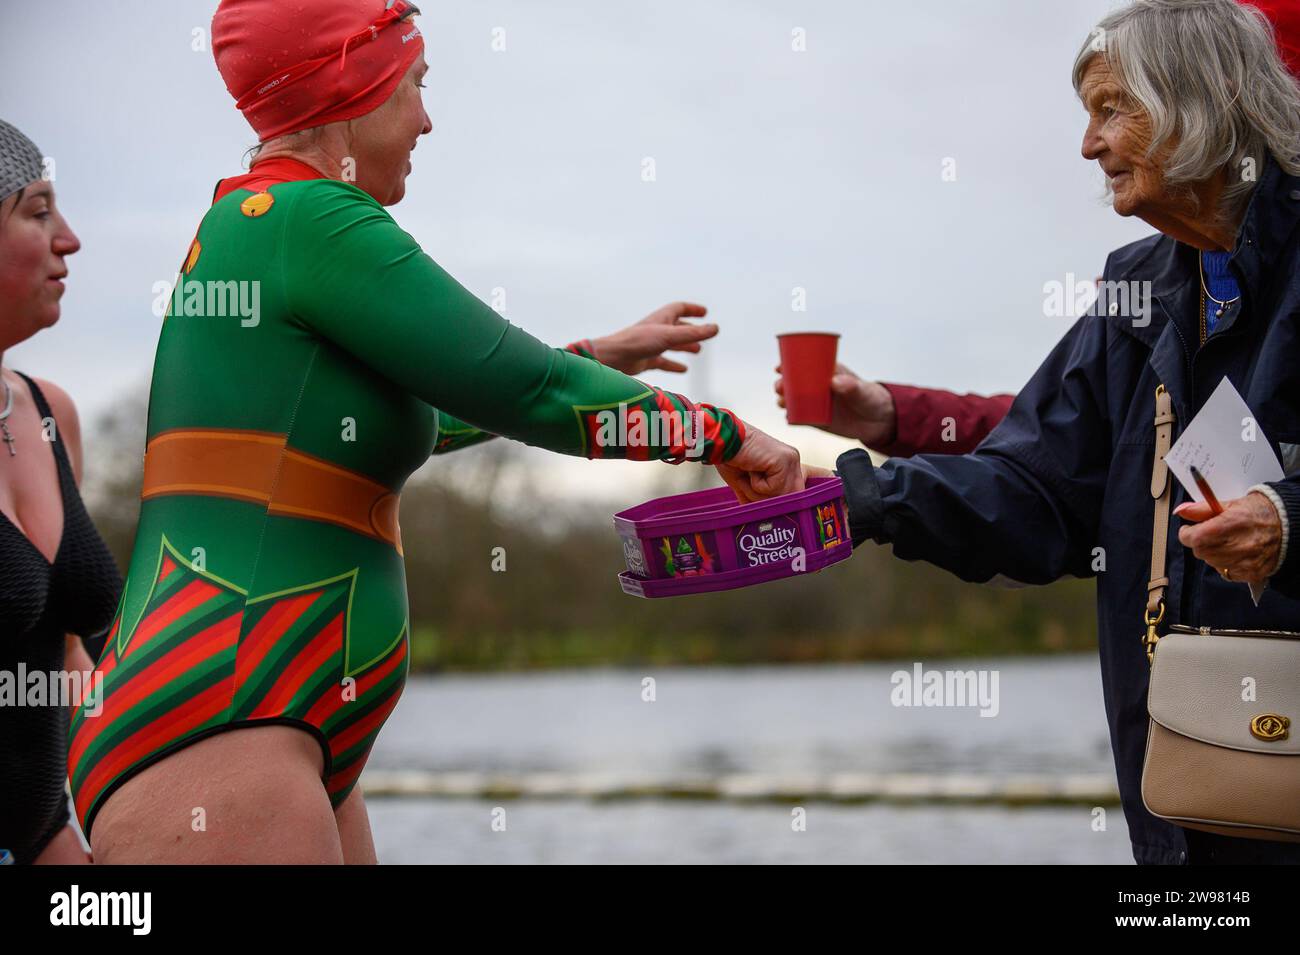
(1026, 503)
(933, 421)
(354, 278)
(1286, 580)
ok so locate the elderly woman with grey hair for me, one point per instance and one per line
(1196, 124)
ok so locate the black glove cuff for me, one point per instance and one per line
(866, 511)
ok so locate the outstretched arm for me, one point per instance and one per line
(359, 281)
(902, 420)
(631, 350)
(1026, 504)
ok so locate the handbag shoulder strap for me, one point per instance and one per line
(1161, 492)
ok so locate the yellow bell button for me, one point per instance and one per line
(257, 205)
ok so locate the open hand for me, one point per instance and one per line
(641, 347)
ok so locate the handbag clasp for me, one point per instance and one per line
(1270, 727)
(1152, 638)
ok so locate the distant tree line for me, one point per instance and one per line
(558, 603)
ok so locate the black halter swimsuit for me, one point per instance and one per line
(40, 602)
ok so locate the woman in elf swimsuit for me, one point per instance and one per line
(311, 359)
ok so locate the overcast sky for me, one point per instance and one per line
(775, 169)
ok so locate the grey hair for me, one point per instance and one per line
(1210, 78)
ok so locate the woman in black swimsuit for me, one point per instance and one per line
(58, 582)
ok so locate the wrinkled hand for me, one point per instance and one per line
(859, 409)
(764, 467)
(1243, 543)
(640, 347)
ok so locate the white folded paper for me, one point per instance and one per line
(1226, 444)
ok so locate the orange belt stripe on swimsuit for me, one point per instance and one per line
(259, 467)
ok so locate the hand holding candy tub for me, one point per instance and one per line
(706, 541)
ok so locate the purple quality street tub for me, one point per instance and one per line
(705, 540)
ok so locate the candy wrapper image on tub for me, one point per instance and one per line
(706, 541)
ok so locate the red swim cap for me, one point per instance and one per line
(292, 66)
(1285, 17)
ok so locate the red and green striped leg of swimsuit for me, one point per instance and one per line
(311, 359)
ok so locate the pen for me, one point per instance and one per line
(1204, 487)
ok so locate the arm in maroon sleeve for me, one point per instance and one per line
(932, 421)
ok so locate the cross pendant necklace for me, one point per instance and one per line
(4, 427)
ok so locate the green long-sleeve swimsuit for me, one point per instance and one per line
(312, 358)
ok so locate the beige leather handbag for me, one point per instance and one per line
(1221, 755)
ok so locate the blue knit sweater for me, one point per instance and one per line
(1221, 284)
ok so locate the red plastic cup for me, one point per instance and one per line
(807, 364)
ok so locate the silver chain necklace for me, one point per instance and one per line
(1223, 306)
(9, 406)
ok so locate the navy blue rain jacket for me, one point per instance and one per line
(1069, 470)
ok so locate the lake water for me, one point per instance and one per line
(712, 721)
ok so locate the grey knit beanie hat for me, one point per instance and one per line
(21, 162)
